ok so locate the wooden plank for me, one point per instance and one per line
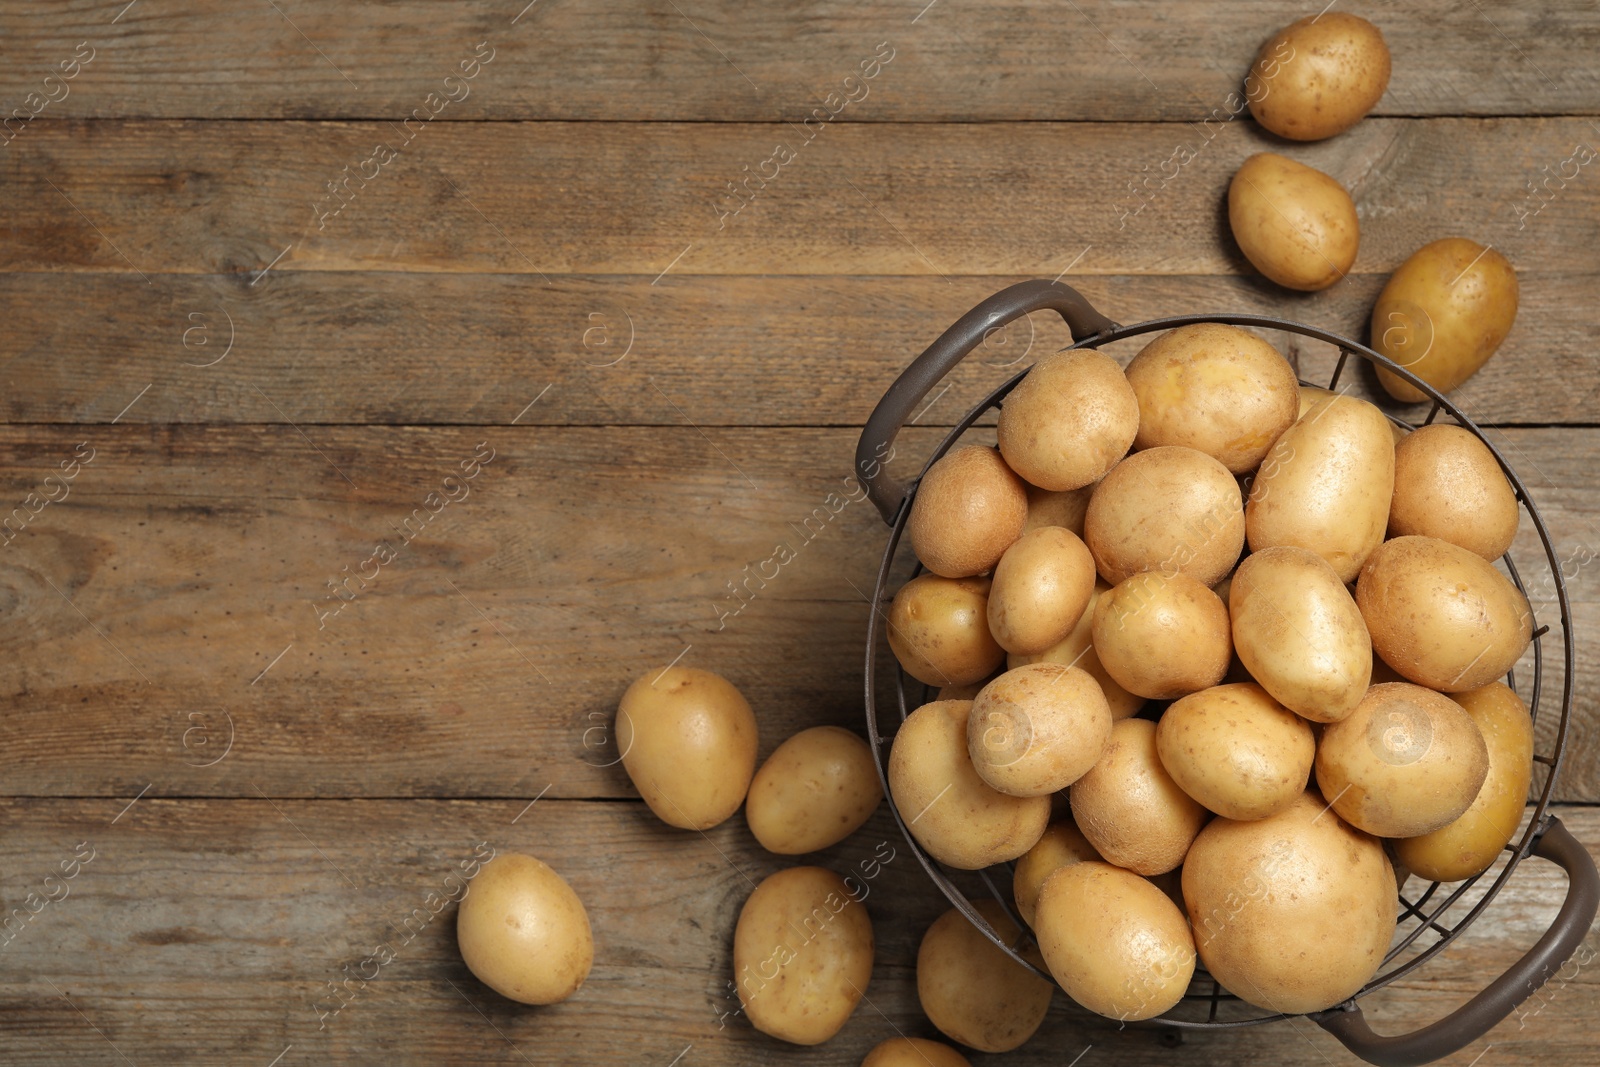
(390, 347)
(650, 199)
(209, 931)
(715, 60)
(179, 597)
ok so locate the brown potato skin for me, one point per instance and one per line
(688, 740)
(1040, 589)
(1442, 314)
(815, 790)
(1036, 729)
(1069, 421)
(1236, 751)
(1442, 616)
(1077, 650)
(1318, 77)
(523, 932)
(1448, 485)
(1170, 509)
(968, 510)
(913, 1052)
(1163, 636)
(1062, 844)
(1295, 224)
(1065, 509)
(972, 991)
(938, 629)
(1128, 807)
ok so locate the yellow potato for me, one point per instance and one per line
(1061, 845)
(1077, 650)
(913, 1052)
(939, 630)
(523, 932)
(1309, 396)
(802, 955)
(1447, 484)
(1406, 762)
(959, 818)
(969, 691)
(1326, 485)
(1036, 729)
(1064, 509)
(1299, 633)
(1442, 616)
(1114, 941)
(1169, 509)
(1069, 421)
(815, 790)
(1318, 76)
(688, 742)
(1162, 636)
(1129, 808)
(1443, 314)
(1295, 224)
(968, 510)
(1236, 750)
(971, 990)
(1293, 912)
(1469, 845)
(1215, 388)
(1040, 588)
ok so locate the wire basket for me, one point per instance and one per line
(1429, 919)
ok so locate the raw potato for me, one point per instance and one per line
(1169, 508)
(1037, 729)
(1236, 751)
(523, 932)
(1040, 589)
(1215, 388)
(1326, 485)
(1469, 845)
(1295, 224)
(971, 990)
(1318, 76)
(1061, 845)
(1443, 314)
(968, 510)
(802, 955)
(1447, 484)
(959, 818)
(1069, 421)
(1294, 912)
(939, 630)
(815, 790)
(1163, 636)
(688, 742)
(1064, 509)
(1442, 616)
(1299, 633)
(968, 691)
(1309, 396)
(914, 1052)
(1406, 762)
(1129, 808)
(1114, 941)
(1077, 650)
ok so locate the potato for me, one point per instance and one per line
(1442, 616)
(688, 742)
(1318, 76)
(1309, 396)
(1299, 633)
(1326, 485)
(955, 815)
(1406, 762)
(1447, 484)
(1443, 314)
(971, 990)
(968, 510)
(1293, 912)
(1469, 845)
(1077, 650)
(1169, 508)
(1037, 729)
(939, 630)
(1162, 636)
(815, 790)
(1114, 941)
(1295, 224)
(913, 1052)
(1061, 845)
(1069, 421)
(802, 954)
(523, 932)
(1040, 589)
(1064, 509)
(968, 691)
(1218, 389)
(1128, 807)
(1236, 750)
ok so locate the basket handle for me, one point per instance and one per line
(1480, 1014)
(915, 382)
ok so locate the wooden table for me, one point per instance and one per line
(278, 274)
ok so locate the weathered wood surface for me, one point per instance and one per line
(209, 931)
(716, 60)
(648, 198)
